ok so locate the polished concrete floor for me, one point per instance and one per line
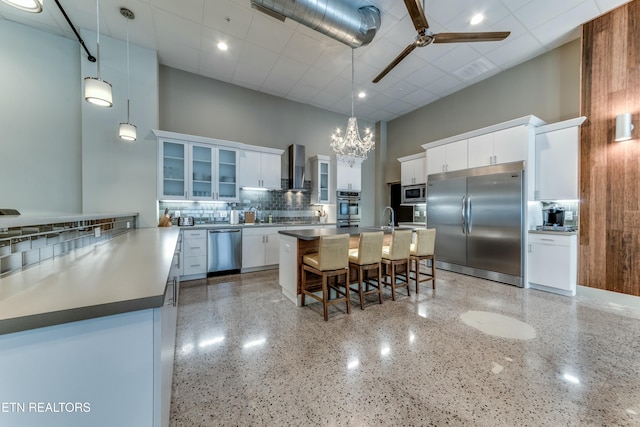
(471, 353)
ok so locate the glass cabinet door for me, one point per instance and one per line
(227, 174)
(323, 191)
(201, 171)
(174, 184)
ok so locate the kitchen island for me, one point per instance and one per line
(295, 244)
(87, 338)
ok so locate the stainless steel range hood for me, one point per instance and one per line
(296, 167)
(338, 19)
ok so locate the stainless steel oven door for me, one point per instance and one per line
(348, 209)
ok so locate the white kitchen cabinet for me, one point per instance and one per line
(552, 261)
(556, 164)
(447, 158)
(503, 146)
(320, 179)
(413, 170)
(348, 177)
(194, 253)
(193, 171)
(260, 170)
(260, 247)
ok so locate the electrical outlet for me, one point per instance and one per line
(177, 214)
(128, 224)
(568, 215)
(97, 231)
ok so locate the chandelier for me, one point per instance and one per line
(350, 147)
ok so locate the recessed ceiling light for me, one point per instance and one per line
(222, 46)
(477, 18)
(362, 95)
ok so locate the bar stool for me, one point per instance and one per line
(423, 249)
(367, 257)
(331, 260)
(395, 255)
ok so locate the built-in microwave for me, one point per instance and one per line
(414, 194)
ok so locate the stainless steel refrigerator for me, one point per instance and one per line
(479, 217)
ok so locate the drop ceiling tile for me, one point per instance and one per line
(302, 92)
(554, 32)
(211, 38)
(420, 97)
(432, 52)
(380, 53)
(454, 59)
(444, 11)
(268, 33)
(188, 9)
(334, 59)
(303, 48)
(515, 51)
(183, 32)
(317, 78)
(538, 12)
(400, 89)
(325, 99)
(511, 24)
(514, 5)
(443, 85)
(288, 69)
(227, 17)
(493, 11)
(402, 33)
(608, 5)
(426, 74)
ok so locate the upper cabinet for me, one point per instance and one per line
(197, 172)
(503, 146)
(413, 170)
(261, 170)
(556, 160)
(447, 158)
(199, 168)
(348, 177)
(320, 179)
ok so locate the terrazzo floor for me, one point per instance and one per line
(471, 353)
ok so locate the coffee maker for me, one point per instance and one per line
(553, 216)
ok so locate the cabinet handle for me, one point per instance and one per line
(178, 255)
(195, 265)
(185, 194)
(548, 240)
(175, 290)
(267, 241)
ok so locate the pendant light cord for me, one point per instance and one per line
(352, 78)
(98, 36)
(128, 71)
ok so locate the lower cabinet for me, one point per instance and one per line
(552, 262)
(260, 247)
(194, 254)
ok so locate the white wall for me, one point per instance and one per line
(40, 121)
(120, 176)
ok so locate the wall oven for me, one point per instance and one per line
(414, 194)
(347, 206)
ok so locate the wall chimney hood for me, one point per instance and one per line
(296, 167)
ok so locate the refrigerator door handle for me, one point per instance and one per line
(469, 215)
(462, 213)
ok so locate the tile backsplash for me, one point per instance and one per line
(284, 206)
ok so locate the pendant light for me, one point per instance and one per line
(33, 6)
(350, 146)
(127, 131)
(96, 90)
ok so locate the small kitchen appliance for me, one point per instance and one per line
(184, 221)
(414, 194)
(553, 216)
(234, 217)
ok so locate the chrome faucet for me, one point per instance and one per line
(392, 219)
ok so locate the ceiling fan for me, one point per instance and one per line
(425, 37)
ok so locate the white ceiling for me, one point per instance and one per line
(292, 61)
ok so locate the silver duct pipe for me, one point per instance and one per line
(333, 18)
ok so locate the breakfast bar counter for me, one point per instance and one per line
(295, 244)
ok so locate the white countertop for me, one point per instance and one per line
(126, 273)
(8, 221)
(555, 233)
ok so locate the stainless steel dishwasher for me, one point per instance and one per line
(224, 251)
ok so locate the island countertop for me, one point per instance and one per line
(125, 274)
(314, 234)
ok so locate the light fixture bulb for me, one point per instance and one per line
(128, 132)
(476, 19)
(33, 6)
(222, 46)
(362, 95)
(98, 92)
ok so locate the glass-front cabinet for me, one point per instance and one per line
(320, 170)
(173, 158)
(192, 171)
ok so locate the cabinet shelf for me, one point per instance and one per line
(174, 158)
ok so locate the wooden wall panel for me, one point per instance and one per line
(609, 255)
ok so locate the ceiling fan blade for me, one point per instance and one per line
(407, 50)
(470, 37)
(417, 14)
